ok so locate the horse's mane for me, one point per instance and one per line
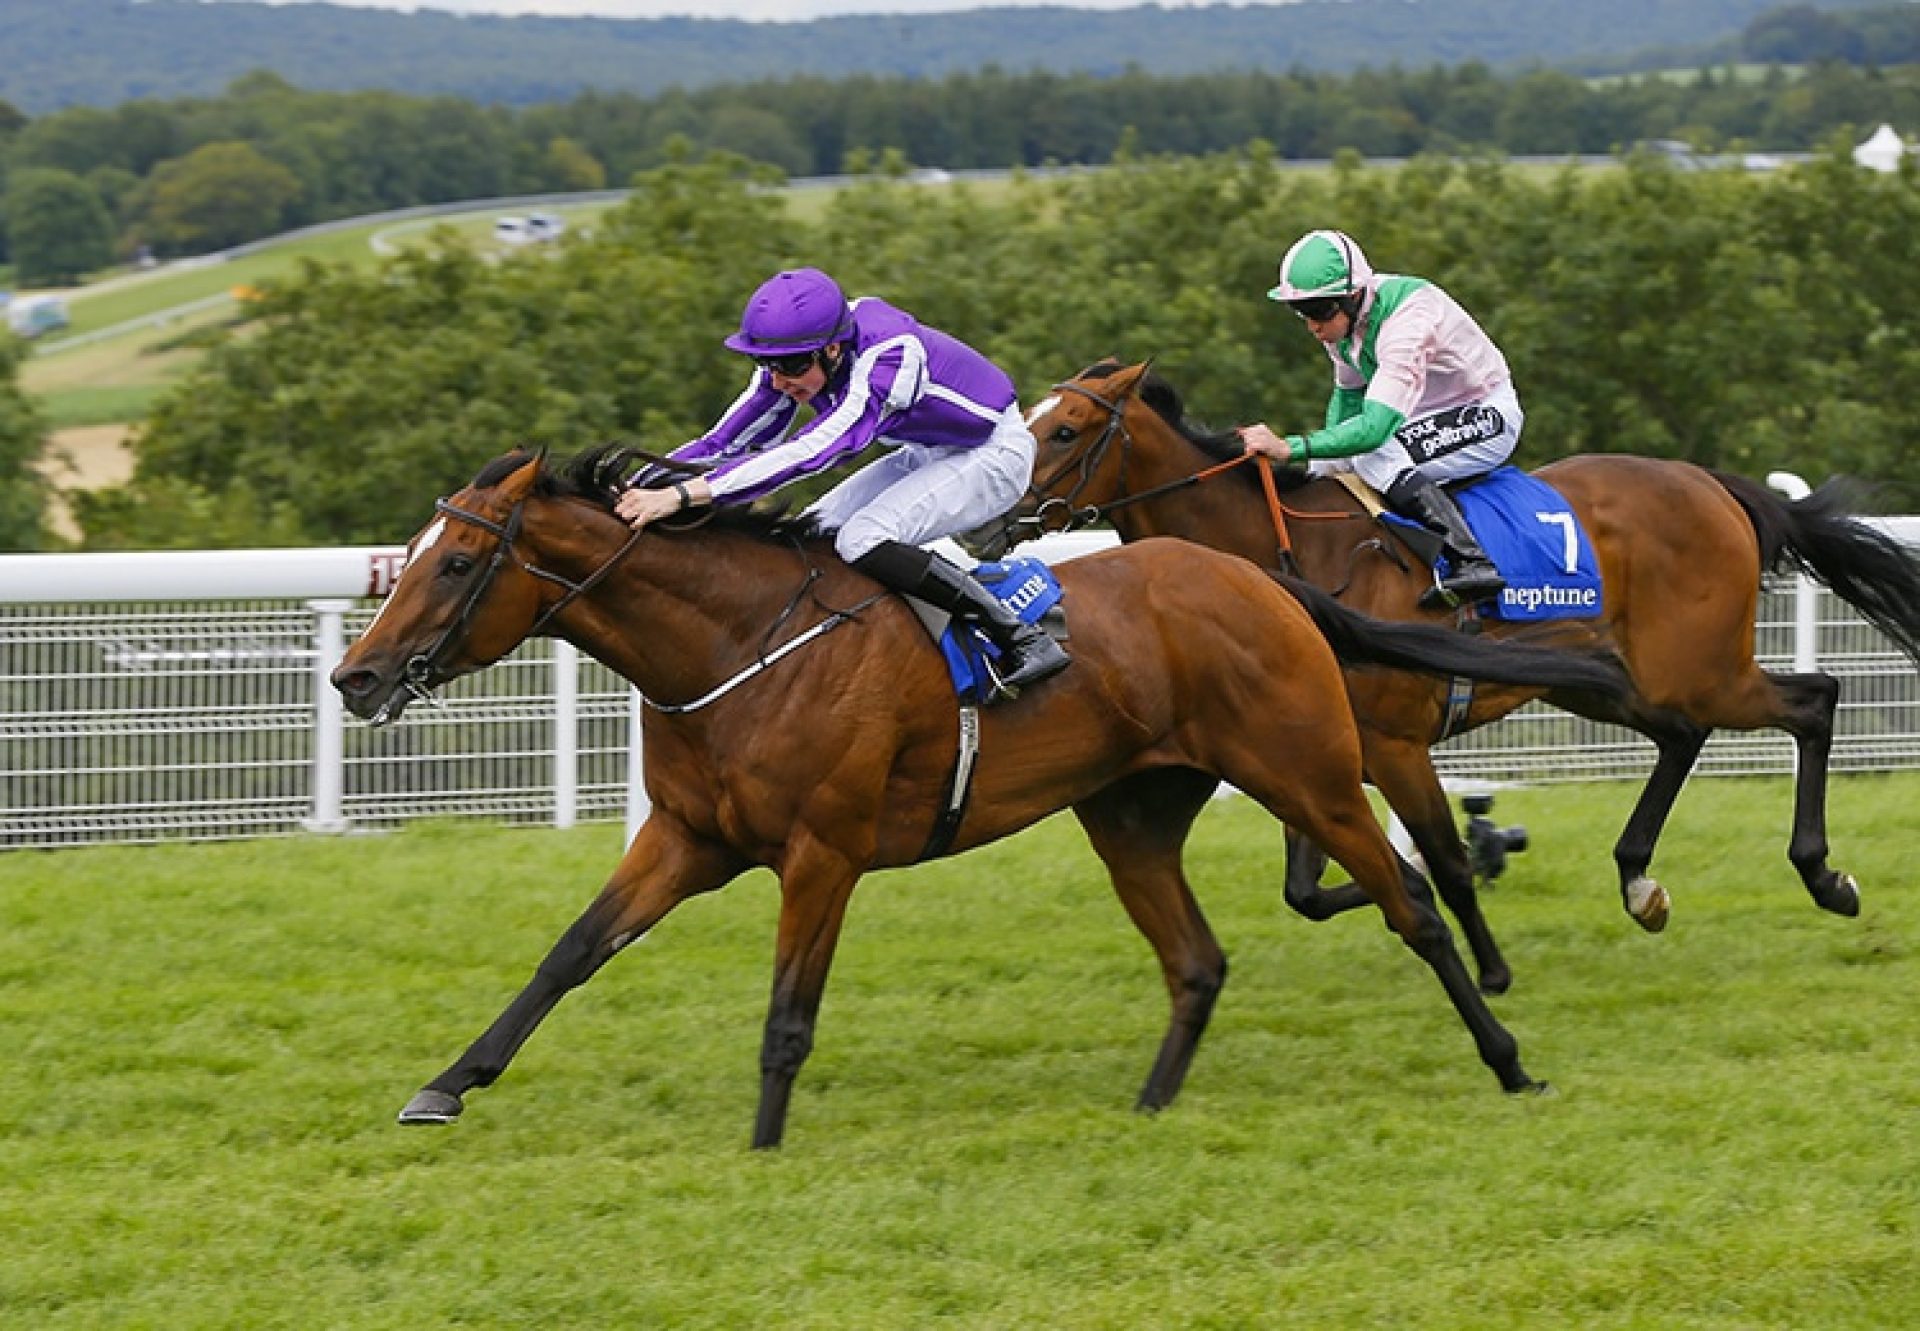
(600, 473)
(1220, 445)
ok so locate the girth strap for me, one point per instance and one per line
(959, 786)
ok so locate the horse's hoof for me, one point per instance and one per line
(431, 1106)
(1533, 1088)
(1495, 983)
(1648, 903)
(1839, 893)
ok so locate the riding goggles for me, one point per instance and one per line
(1318, 309)
(792, 365)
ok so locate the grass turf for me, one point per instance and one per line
(205, 1045)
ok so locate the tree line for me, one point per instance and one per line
(84, 187)
(1742, 321)
(62, 53)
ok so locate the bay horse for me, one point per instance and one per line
(1681, 552)
(801, 719)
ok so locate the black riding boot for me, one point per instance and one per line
(1474, 578)
(1028, 652)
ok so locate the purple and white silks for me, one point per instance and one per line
(907, 384)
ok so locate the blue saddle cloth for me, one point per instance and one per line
(1537, 543)
(1026, 586)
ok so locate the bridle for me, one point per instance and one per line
(1087, 461)
(421, 666)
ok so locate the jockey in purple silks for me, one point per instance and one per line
(961, 454)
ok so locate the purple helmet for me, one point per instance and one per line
(799, 310)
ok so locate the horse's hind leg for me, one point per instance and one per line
(1811, 701)
(660, 870)
(1301, 887)
(1138, 827)
(1677, 741)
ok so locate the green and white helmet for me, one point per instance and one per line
(1322, 264)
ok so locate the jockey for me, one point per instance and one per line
(1421, 395)
(961, 454)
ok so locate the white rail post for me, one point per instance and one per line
(566, 733)
(637, 804)
(1806, 595)
(329, 718)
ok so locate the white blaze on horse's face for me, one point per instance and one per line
(1045, 406)
(421, 544)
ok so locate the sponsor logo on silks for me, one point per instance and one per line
(1431, 436)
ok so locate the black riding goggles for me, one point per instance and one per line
(1318, 309)
(791, 366)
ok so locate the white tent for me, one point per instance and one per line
(1882, 151)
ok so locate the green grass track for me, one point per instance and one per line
(202, 1049)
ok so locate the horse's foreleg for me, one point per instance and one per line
(1347, 829)
(1810, 701)
(815, 883)
(661, 869)
(1138, 828)
(1404, 774)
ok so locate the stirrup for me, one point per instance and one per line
(1448, 593)
(1008, 685)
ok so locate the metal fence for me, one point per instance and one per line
(140, 720)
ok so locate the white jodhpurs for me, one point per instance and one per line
(1448, 445)
(919, 493)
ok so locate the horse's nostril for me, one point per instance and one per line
(354, 683)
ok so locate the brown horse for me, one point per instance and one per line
(801, 719)
(1681, 553)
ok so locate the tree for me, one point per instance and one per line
(58, 230)
(571, 167)
(23, 491)
(217, 196)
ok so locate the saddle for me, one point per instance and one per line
(1024, 585)
(1528, 530)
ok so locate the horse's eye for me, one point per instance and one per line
(1065, 434)
(457, 566)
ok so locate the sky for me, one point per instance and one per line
(791, 11)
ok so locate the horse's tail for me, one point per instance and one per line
(1429, 649)
(1823, 536)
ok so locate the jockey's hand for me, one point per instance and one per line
(1260, 440)
(640, 507)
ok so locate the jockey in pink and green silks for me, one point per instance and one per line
(1421, 395)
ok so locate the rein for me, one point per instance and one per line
(1088, 461)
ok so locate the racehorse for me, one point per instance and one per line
(1681, 551)
(801, 719)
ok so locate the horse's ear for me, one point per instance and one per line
(519, 483)
(1127, 382)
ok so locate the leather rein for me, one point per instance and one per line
(1074, 517)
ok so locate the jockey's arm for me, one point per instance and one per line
(1363, 432)
(759, 417)
(1344, 405)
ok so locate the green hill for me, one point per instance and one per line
(61, 53)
